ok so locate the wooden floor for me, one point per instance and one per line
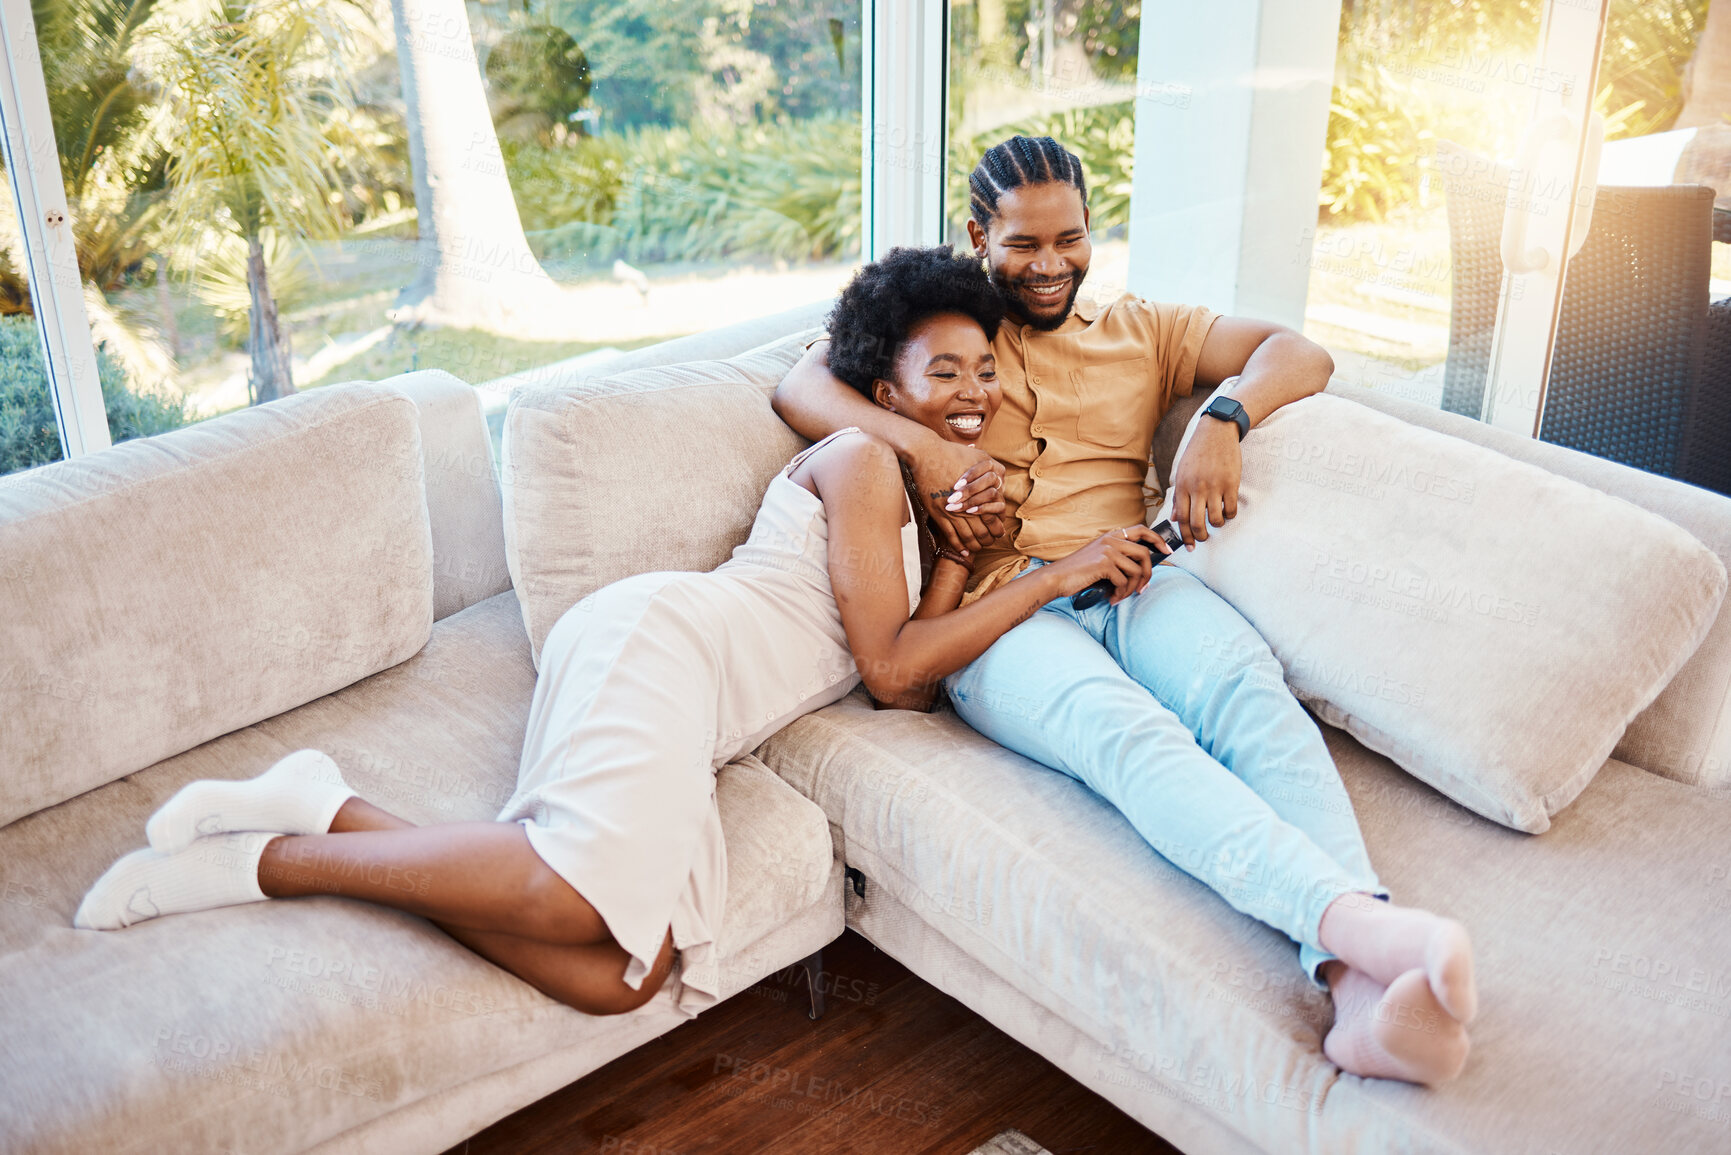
(893, 1066)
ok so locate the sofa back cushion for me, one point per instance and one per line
(1491, 627)
(463, 503)
(165, 591)
(656, 469)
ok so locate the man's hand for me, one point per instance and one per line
(962, 491)
(1205, 480)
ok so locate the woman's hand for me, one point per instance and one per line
(954, 479)
(1125, 557)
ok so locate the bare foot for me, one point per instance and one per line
(1395, 1032)
(1387, 941)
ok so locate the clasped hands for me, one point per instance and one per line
(962, 488)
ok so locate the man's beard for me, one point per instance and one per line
(1009, 290)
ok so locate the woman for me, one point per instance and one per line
(609, 857)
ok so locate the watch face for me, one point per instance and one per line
(1227, 409)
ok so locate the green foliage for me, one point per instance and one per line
(554, 186)
(1377, 139)
(1104, 137)
(1409, 75)
(1110, 30)
(97, 104)
(636, 53)
(665, 63)
(1648, 44)
(109, 160)
(219, 279)
(537, 77)
(262, 125)
(27, 433)
(789, 191)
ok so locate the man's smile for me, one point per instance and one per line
(1049, 292)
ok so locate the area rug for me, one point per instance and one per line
(1010, 1142)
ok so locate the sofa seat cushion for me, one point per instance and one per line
(278, 1025)
(174, 588)
(1601, 944)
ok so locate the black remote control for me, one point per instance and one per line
(1102, 589)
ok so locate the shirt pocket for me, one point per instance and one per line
(1114, 400)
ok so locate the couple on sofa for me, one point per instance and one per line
(981, 444)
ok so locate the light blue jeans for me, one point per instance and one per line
(1172, 708)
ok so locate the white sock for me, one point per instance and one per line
(301, 794)
(218, 871)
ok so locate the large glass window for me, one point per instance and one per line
(1420, 92)
(273, 195)
(1059, 68)
(1444, 142)
(679, 166)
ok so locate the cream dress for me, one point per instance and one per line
(651, 685)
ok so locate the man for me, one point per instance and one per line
(1163, 700)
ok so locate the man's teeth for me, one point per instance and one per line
(966, 423)
(1047, 290)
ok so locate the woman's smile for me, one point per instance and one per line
(968, 424)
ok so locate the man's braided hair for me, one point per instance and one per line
(1019, 161)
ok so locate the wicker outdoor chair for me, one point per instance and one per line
(1641, 370)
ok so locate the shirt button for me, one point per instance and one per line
(1038, 428)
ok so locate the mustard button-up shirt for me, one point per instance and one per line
(1074, 432)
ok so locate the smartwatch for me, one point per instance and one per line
(1227, 409)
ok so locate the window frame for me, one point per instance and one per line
(904, 123)
(45, 229)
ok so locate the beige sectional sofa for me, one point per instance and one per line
(326, 571)
(333, 570)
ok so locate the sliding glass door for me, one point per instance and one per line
(1517, 217)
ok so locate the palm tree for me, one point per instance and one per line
(264, 141)
(110, 161)
(101, 114)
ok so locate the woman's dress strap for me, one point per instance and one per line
(802, 455)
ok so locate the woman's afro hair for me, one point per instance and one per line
(893, 294)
